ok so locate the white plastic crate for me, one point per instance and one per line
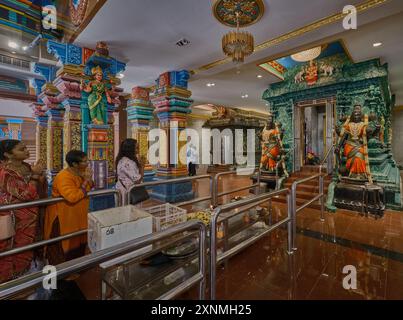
(166, 215)
(110, 227)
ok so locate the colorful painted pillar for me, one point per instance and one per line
(98, 136)
(172, 103)
(14, 128)
(80, 133)
(67, 83)
(41, 138)
(140, 113)
(46, 100)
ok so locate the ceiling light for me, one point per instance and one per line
(237, 45)
(210, 84)
(260, 76)
(377, 44)
(25, 48)
(244, 96)
(307, 55)
(13, 44)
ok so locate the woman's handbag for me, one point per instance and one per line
(7, 229)
(137, 195)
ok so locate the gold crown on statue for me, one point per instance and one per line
(96, 70)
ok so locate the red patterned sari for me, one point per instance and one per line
(14, 189)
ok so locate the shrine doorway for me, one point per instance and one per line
(314, 133)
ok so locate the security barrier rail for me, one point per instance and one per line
(14, 287)
(295, 209)
(240, 207)
(237, 172)
(51, 201)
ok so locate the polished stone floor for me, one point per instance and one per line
(265, 271)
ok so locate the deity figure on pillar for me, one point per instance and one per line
(353, 139)
(311, 76)
(98, 96)
(272, 146)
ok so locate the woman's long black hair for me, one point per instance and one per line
(128, 150)
(7, 146)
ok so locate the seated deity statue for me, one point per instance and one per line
(272, 147)
(353, 139)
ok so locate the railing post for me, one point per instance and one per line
(212, 192)
(322, 199)
(258, 181)
(289, 226)
(202, 262)
(118, 198)
(216, 189)
(294, 214)
(213, 254)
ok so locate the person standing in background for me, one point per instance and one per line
(192, 157)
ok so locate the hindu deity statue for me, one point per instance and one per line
(311, 76)
(272, 147)
(98, 96)
(353, 138)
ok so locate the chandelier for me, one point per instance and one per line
(307, 55)
(238, 45)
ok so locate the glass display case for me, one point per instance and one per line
(151, 275)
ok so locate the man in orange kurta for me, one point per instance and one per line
(69, 216)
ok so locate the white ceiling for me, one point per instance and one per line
(144, 32)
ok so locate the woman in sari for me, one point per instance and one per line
(18, 228)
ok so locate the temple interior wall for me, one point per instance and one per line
(397, 125)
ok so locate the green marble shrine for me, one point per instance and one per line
(365, 83)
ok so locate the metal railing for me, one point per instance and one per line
(179, 180)
(13, 287)
(325, 158)
(219, 175)
(24, 64)
(295, 209)
(246, 204)
(51, 201)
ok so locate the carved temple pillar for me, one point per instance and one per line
(41, 138)
(67, 83)
(54, 152)
(140, 113)
(79, 133)
(172, 103)
(47, 100)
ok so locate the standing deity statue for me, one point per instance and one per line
(272, 147)
(98, 97)
(353, 138)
